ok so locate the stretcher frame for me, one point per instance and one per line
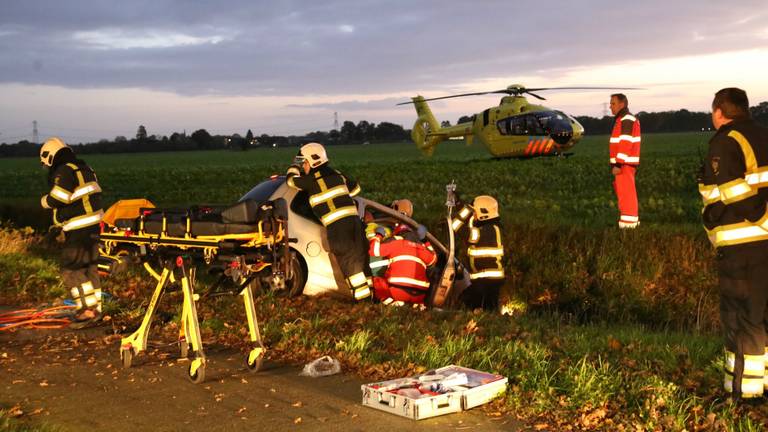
(246, 256)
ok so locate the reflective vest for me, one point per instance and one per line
(734, 184)
(330, 193)
(486, 249)
(408, 261)
(75, 196)
(624, 146)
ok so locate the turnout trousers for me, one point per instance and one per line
(743, 275)
(483, 293)
(346, 239)
(626, 196)
(79, 271)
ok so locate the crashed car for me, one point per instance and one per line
(311, 271)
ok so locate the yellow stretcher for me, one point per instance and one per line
(246, 241)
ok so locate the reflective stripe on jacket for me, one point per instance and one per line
(330, 193)
(624, 144)
(408, 261)
(75, 196)
(734, 184)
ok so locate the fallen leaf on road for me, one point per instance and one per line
(273, 390)
(36, 411)
(266, 405)
(298, 404)
(43, 383)
(243, 381)
(17, 381)
(15, 411)
(541, 426)
(297, 420)
(241, 410)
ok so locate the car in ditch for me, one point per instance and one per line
(311, 270)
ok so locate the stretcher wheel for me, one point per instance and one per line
(196, 371)
(254, 359)
(126, 356)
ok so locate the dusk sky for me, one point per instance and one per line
(91, 69)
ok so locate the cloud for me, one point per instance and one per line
(353, 105)
(346, 28)
(123, 39)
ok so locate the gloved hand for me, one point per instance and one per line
(380, 231)
(51, 237)
(294, 169)
(421, 231)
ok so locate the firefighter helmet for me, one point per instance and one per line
(314, 153)
(404, 206)
(49, 149)
(485, 207)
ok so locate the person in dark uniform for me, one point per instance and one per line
(485, 252)
(734, 186)
(330, 196)
(75, 198)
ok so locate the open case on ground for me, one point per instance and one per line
(434, 393)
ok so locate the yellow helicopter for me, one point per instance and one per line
(514, 128)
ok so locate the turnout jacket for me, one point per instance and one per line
(330, 192)
(734, 184)
(485, 250)
(624, 145)
(75, 196)
(408, 261)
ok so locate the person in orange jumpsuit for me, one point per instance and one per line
(624, 149)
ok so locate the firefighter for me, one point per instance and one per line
(405, 280)
(485, 252)
(330, 196)
(734, 188)
(624, 149)
(405, 207)
(75, 198)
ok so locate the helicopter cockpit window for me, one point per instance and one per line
(513, 126)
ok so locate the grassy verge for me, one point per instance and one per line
(595, 349)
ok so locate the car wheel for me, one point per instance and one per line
(298, 275)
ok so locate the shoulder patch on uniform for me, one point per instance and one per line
(715, 162)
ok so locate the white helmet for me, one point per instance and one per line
(49, 149)
(314, 153)
(485, 207)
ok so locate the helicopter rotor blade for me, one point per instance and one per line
(458, 95)
(535, 95)
(583, 88)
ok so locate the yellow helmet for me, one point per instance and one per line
(314, 153)
(404, 206)
(485, 207)
(49, 149)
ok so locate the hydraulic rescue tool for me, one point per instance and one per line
(443, 289)
(246, 242)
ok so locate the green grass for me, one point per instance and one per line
(613, 328)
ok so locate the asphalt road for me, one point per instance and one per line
(74, 380)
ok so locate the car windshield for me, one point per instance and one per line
(262, 191)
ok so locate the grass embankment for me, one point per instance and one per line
(597, 350)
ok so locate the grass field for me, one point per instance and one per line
(615, 330)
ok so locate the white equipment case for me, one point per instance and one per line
(480, 388)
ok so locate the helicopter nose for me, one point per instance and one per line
(562, 133)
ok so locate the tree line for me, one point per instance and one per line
(363, 132)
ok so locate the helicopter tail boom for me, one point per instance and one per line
(426, 131)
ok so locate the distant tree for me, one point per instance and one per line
(364, 131)
(248, 141)
(141, 133)
(445, 123)
(386, 131)
(465, 119)
(202, 139)
(348, 132)
(120, 139)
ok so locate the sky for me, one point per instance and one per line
(92, 69)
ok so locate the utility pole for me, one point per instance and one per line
(605, 109)
(336, 120)
(35, 137)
